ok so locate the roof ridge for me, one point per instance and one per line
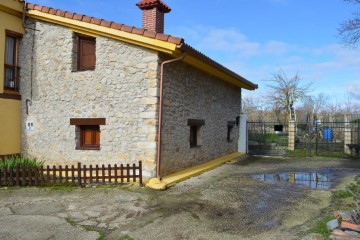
(105, 23)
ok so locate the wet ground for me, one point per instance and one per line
(230, 202)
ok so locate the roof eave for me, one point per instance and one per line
(205, 63)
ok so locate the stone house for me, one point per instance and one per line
(101, 92)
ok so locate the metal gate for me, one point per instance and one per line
(328, 139)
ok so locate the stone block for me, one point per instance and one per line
(146, 145)
(152, 137)
(152, 83)
(331, 225)
(151, 74)
(153, 66)
(153, 92)
(148, 115)
(149, 100)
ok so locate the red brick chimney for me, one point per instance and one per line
(153, 14)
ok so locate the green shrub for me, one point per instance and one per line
(26, 162)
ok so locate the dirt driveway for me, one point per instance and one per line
(226, 203)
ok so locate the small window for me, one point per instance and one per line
(230, 126)
(195, 126)
(87, 132)
(11, 68)
(86, 57)
(193, 136)
(90, 137)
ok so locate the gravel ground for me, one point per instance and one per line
(226, 203)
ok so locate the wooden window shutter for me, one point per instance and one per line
(86, 53)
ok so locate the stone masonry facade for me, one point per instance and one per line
(123, 89)
(192, 94)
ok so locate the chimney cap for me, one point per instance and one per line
(150, 4)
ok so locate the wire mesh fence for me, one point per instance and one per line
(304, 139)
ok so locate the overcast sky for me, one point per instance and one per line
(255, 38)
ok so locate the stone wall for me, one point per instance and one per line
(192, 94)
(123, 88)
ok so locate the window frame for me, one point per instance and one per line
(83, 124)
(81, 39)
(15, 67)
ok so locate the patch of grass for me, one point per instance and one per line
(63, 187)
(342, 194)
(87, 228)
(93, 229)
(71, 222)
(13, 161)
(321, 228)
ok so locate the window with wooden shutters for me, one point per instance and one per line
(88, 132)
(11, 68)
(86, 53)
(90, 137)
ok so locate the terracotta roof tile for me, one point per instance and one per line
(138, 31)
(96, 21)
(162, 37)
(105, 23)
(38, 7)
(60, 13)
(52, 11)
(175, 40)
(116, 26)
(45, 9)
(126, 28)
(149, 34)
(78, 17)
(86, 19)
(69, 15)
(30, 6)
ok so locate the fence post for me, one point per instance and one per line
(140, 173)
(347, 134)
(291, 137)
(243, 134)
(79, 174)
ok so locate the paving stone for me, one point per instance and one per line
(331, 225)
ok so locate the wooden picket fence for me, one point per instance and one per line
(80, 175)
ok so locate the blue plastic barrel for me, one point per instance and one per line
(328, 134)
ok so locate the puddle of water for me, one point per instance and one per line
(313, 180)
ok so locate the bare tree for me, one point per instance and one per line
(313, 106)
(284, 91)
(349, 31)
(255, 108)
